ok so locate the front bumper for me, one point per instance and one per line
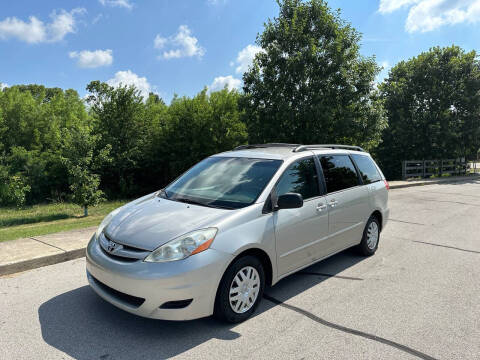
(142, 288)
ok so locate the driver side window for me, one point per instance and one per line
(300, 177)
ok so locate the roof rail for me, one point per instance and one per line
(255, 146)
(326, 146)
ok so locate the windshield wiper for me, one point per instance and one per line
(190, 201)
(194, 202)
(162, 193)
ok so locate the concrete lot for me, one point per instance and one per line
(418, 297)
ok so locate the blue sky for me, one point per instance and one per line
(180, 46)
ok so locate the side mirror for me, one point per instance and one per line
(289, 201)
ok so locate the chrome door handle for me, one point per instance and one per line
(333, 203)
(321, 207)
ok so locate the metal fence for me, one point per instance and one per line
(428, 168)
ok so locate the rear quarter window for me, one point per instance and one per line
(367, 168)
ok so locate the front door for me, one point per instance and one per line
(299, 232)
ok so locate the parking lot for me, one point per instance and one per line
(418, 297)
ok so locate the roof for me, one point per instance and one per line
(284, 151)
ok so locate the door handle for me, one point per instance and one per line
(321, 207)
(333, 203)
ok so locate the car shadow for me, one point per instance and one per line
(84, 326)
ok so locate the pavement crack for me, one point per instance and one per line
(328, 275)
(43, 242)
(447, 201)
(349, 330)
(447, 246)
(448, 193)
(406, 222)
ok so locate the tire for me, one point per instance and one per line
(368, 245)
(251, 268)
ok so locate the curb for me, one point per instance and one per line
(401, 186)
(31, 264)
(432, 182)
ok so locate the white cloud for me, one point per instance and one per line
(130, 78)
(245, 58)
(63, 23)
(30, 32)
(388, 6)
(384, 72)
(221, 81)
(3, 86)
(36, 31)
(97, 18)
(92, 59)
(159, 42)
(117, 3)
(216, 2)
(182, 44)
(428, 15)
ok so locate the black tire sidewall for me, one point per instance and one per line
(223, 310)
(364, 249)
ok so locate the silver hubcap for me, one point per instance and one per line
(372, 235)
(244, 289)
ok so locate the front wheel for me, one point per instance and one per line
(371, 236)
(240, 290)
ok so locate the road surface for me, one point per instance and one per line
(418, 297)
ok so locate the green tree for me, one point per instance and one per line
(310, 84)
(433, 107)
(199, 127)
(81, 158)
(118, 115)
(155, 158)
(31, 121)
(13, 187)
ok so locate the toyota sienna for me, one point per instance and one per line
(236, 222)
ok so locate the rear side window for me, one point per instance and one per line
(300, 177)
(339, 172)
(368, 170)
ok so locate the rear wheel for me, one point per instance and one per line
(371, 236)
(240, 290)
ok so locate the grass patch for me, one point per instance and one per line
(50, 218)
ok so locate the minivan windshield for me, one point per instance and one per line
(223, 182)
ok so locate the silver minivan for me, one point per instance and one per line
(236, 222)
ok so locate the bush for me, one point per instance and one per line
(13, 189)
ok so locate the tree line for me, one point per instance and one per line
(309, 84)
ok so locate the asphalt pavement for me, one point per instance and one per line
(418, 297)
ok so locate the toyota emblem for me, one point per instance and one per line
(111, 246)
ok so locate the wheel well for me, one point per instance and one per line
(378, 215)
(264, 259)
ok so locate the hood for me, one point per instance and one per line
(151, 223)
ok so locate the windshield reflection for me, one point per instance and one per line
(223, 182)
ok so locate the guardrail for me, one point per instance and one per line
(428, 168)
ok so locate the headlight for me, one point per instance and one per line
(106, 221)
(183, 246)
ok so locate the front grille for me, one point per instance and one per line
(130, 300)
(118, 258)
(119, 251)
